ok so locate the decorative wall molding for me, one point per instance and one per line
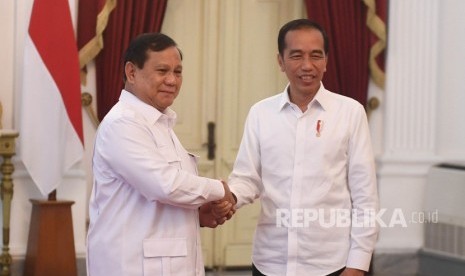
(419, 166)
(411, 86)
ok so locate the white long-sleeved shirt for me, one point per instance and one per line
(144, 202)
(311, 171)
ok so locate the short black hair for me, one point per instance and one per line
(299, 24)
(137, 50)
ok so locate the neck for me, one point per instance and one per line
(301, 100)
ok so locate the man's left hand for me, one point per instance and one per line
(352, 272)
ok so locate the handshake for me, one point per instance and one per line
(215, 213)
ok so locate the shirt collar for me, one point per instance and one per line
(322, 98)
(150, 113)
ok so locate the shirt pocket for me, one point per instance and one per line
(170, 156)
(164, 256)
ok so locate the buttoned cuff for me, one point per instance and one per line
(359, 260)
(215, 191)
(239, 202)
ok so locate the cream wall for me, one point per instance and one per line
(426, 68)
(7, 60)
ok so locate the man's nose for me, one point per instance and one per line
(170, 78)
(307, 63)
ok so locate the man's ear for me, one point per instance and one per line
(280, 62)
(130, 71)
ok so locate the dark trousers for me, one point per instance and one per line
(256, 272)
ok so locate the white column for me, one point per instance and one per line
(410, 119)
(412, 77)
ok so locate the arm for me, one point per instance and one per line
(151, 169)
(245, 180)
(364, 195)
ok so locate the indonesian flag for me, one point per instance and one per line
(51, 136)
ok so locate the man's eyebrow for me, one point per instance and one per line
(298, 51)
(317, 52)
(294, 51)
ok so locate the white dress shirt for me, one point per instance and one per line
(303, 167)
(144, 202)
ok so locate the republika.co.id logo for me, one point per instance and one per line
(296, 218)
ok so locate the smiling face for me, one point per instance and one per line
(304, 62)
(158, 82)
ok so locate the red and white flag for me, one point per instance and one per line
(51, 135)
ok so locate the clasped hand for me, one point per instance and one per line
(217, 212)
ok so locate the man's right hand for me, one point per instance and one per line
(225, 207)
